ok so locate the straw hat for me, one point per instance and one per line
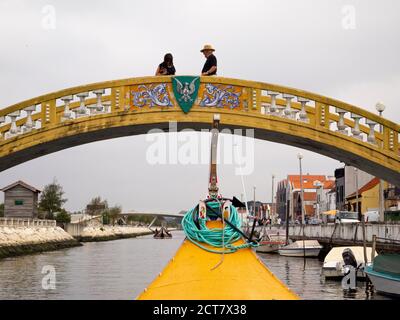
(207, 47)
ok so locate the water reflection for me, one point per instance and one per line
(121, 269)
(308, 282)
(118, 269)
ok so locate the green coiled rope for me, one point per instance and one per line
(218, 237)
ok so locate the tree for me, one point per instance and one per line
(51, 199)
(114, 212)
(96, 206)
(1, 209)
(63, 216)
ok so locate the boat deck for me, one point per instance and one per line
(241, 276)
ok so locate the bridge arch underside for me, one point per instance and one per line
(103, 127)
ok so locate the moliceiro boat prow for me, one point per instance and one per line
(216, 260)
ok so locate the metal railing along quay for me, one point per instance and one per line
(387, 234)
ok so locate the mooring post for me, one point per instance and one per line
(373, 247)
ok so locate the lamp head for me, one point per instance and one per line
(299, 156)
(380, 107)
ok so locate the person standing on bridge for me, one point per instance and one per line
(210, 66)
(166, 67)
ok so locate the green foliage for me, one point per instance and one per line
(96, 206)
(110, 215)
(106, 217)
(1, 209)
(51, 199)
(63, 216)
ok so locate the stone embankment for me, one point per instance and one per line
(19, 240)
(103, 233)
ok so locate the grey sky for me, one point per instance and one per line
(300, 44)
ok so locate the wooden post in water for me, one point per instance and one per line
(373, 247)
(287, 222)
(362, 220)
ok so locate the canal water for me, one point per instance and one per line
(121, 269)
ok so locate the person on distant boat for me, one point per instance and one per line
(166, 67)
(210, 66)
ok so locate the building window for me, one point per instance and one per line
(19, 202)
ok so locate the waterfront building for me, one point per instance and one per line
(20, 200)
(316, 189)
(330, 202)
(368, 197)
(340, 185)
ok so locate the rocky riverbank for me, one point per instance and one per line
(105, 233)
(26, 240)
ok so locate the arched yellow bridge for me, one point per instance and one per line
(110, 109)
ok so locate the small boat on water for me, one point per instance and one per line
(384, 274)
(301, 248)
(163, 233)
(271, 241)
(333, 266)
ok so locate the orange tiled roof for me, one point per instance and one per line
(308, 180)
(366, 187)
(329, 184)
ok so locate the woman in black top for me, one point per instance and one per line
(166, 67)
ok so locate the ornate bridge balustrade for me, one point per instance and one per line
(110, 109)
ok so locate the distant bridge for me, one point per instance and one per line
(158, 214)
(151, 214)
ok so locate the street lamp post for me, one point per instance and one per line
(356, 181)
(380, 107)
(272, 199)
(300, 156)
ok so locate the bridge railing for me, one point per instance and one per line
(26, 222)
(265, 100)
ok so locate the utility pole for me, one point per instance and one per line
(356, 180)
(300, 156)
(380, 107)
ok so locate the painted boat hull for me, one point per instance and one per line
(299, 252)
(196, 274)
(384, 283)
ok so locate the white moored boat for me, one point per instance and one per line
(333, 262)
(301, 248)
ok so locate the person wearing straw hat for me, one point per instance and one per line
(210, 66)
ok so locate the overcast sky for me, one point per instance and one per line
(311, 45)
